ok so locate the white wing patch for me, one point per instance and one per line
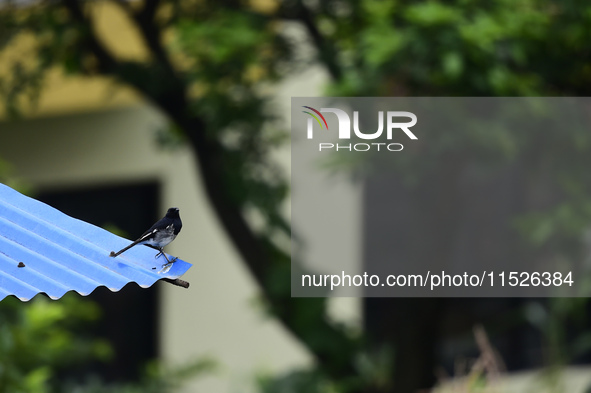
(147, 235)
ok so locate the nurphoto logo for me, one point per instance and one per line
(344, 129)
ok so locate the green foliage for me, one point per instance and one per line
(37, 340)
(463, 48)
(156, 379)
(297, 381)
(43, 338)
(43, 37)
(372, 373)
(8, 177)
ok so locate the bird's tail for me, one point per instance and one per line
(114, 254)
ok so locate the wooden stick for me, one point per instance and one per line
(177, 282)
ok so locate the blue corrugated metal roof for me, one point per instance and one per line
(62, 254)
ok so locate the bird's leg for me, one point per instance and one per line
(168, 260)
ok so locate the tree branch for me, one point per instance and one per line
(152, 35)
(260, 261)
(149, 10)
(326, 52)
(106, 62)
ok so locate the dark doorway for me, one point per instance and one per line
(129, 317)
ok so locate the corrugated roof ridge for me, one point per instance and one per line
(62, 254)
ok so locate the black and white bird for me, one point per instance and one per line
(160, 234)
